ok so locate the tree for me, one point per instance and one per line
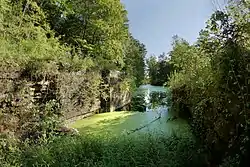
(135, 53)
(152, 66)
(211, 83)
(95, 29)
(165, 69)
(159, 69)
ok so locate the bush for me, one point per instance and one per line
(125, 151)
(211, 83)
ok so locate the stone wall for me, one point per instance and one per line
(77, 94)
(118, 97)
(26, 102)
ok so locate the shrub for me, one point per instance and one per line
(212, 82)
(125, 151)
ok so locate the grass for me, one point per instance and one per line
(124, 151)
(101, 144)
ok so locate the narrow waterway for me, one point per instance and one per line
(153, 118)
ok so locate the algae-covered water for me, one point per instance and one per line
(153, 119)
(125, 138)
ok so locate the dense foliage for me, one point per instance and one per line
(117, 152)
(210, 84)
(56, 57)
(53, 55)
(158, 69)
(135, 55)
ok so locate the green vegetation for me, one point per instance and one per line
(159, 69)
(56, 61)
(47, 47)
(89, 151)
(210, 84)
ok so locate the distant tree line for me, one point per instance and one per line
(158, 69)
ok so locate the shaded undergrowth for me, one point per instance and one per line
(140, 150)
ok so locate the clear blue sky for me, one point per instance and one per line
(154, 22)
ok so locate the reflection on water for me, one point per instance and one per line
(149, 98)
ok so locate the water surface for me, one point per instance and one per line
(153, 119)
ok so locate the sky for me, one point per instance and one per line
(155, 22)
